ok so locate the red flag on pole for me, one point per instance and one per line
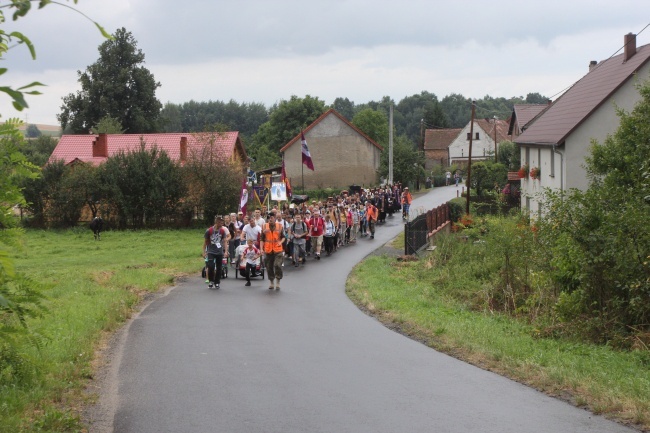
(306, 156)
(243, 198)
(285, 179)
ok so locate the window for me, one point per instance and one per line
(476, 138)
(527, 161)
(469, 136)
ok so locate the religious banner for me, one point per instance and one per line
(279, 191)
(260, 194)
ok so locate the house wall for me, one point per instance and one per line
(482, 149)
(435, 157)
(602, 122)
(551, 175)
(569, 166)
(341, 157)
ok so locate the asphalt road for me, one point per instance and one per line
(305, 359)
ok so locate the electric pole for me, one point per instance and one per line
(469, 158)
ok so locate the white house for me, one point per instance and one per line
(483, 141)
(559, 139)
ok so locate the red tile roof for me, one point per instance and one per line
(440, 138)
(583, 98)
(488, 126)
(317, 121)
(80, 147)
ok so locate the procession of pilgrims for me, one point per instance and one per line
(316, 228)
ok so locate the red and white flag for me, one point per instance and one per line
(243, 198)
(306, 156)
(285, 179)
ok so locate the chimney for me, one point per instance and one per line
(183, 149)
(100, 146)
(592, 65)
(630, 46)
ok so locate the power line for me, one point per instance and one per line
(598, 65)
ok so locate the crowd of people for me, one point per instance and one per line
(293, 232)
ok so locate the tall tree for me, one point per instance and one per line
(407, 162)
(286, 120)
(344, 107)
(117, 85)
(374, 124)
(32, 131)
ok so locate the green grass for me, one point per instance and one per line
(410, 297)
(91, 288)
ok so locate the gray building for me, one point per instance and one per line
(341, 153)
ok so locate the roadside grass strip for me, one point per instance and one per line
(91, 288)
(416, 301)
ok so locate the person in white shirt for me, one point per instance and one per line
(330, 231)
(252, 256)
(251, 231)
(257, 216)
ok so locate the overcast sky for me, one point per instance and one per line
(268, 50)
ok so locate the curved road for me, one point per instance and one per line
(305, 359)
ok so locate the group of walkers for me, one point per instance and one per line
(297, 231)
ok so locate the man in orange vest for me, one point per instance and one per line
(407, 198)
(371, 217)
(272, 245)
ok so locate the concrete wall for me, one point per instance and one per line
(341, 156)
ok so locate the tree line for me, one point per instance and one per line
(118, 95)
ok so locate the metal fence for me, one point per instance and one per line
(415, 231)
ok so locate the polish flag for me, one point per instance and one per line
(306, 156)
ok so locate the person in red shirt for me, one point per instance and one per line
(316, 230)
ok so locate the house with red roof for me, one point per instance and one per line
(522, 116)
(487, 134)
(341, 153)
(556, 142)
(95, 149)
(436, 146)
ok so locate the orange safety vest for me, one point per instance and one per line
(272, 239)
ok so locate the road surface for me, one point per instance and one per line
(305, 359)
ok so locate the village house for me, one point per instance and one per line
(488, 133)
(95, 149)
(436, 146)
(556, 143)
(341, 153)
(522, 116)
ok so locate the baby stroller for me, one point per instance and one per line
(240, 263)
(224, 269)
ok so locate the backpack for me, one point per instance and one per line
(304, 227)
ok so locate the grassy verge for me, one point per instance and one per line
(406, 296)
(91, 288)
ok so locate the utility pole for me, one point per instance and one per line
(469, 160)
(496, 158)
(390, 146)
(421, 147)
